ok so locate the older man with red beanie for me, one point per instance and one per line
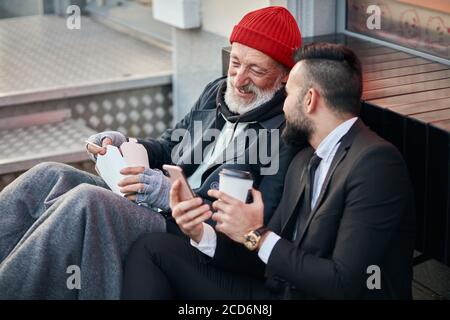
(70, 236)
(250, 97)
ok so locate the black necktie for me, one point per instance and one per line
(305, 207)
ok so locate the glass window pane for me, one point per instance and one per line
(420, 25)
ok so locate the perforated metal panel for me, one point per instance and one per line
(138, 113)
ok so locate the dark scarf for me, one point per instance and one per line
(266, 111)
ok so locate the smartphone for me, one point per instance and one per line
(176, 173)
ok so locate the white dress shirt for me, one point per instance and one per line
(326, 150)
(229, 132)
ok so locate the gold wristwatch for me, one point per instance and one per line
(253, 238)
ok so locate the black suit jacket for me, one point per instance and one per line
(364, 216)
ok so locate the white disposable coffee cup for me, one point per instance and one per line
(235, 183)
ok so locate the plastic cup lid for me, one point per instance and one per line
(240, 174)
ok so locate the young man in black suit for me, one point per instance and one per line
(344, 228)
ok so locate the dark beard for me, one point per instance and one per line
(298, 134)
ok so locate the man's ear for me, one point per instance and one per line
(285, 79)
(311, 100)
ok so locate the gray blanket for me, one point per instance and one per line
(64, 235)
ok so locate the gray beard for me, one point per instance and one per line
(237, 105)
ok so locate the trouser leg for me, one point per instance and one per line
(166, 266)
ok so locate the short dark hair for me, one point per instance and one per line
(336, 70)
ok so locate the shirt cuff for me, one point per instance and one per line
(267, 246)
(208, 242)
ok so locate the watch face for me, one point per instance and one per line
(251, 241)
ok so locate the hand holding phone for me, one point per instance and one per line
(189, 214)
(176, 173)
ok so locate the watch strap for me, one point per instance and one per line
(261, 231)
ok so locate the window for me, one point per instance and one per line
(419, 25)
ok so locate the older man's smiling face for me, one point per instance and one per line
(253, 78)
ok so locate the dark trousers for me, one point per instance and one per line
(166, 266)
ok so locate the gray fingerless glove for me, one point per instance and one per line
(156, 189)
(116, 137)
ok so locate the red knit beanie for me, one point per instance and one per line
(271, 30)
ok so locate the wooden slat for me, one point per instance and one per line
(394, 64)
(411, 98)
(385, 57)
(422, 106)
(384, 74)
(433, 116)
(413, 78)
(445, 125)
(406, 89)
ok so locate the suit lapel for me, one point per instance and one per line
(340, 155)
(297, 176)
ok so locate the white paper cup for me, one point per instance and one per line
(235, 183)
